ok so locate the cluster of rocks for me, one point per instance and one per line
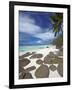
(24, 62)
(52, 58)
(43, 70)
(25, 73)
(26, 55)
(39, 61)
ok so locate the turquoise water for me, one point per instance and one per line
(32, 48)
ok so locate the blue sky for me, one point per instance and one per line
(35, 28)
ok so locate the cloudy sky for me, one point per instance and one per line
(35, 28)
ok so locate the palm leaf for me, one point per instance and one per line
(57, 20)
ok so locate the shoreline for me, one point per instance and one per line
(51, 47)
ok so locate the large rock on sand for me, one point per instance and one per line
(42, 72)
(52, 68)
(36, 56)
(52, 55)
(60, 69)
(52, 58)
(30, 68)
(21, 69)
(49, 57)
(25, 75)
(24, 62)
(39, 62)
(57, 60)
(28, 76)
(47, 60)
(60, 53)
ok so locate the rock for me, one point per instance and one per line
(39, 62)
(25, 75)
(47, 60)
(28, 76)
(47, 47)
(52, 68)
(24, 62)
(52, 55)
(21, 69)
(57, 60)
(52, 59)
(21, 57)
(60, 69)
(22, 74)
(42, 72)
(61, 49)
(30, 68)
(25, 55)
(33, 52)
(60, 53)
(36, 56)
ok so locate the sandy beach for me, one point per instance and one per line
(40, 59)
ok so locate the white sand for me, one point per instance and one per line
(44, 52)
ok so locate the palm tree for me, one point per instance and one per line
(57, 21)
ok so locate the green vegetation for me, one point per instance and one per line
(58, 41)
(57, 21)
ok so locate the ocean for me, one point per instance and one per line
(29, 48)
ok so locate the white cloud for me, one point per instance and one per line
(45, 36)
(28, 25)
(39, 41)
(26, 19)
